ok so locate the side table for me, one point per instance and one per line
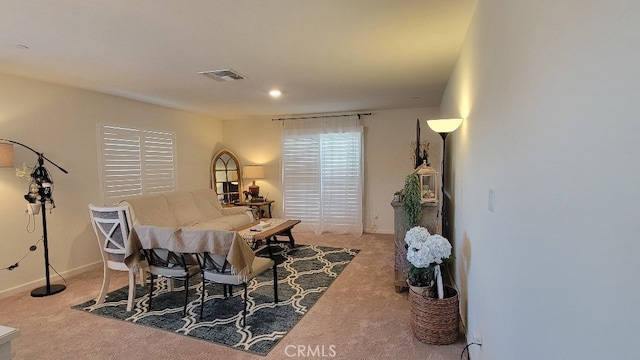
(6, 335)
(258, 206)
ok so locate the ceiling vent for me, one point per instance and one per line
(223, 75)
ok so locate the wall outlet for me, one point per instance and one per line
(492, 200)
(477, 348)
(477, 338)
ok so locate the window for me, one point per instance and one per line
(135, 162)
(322, 177)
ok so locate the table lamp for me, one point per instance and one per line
(253, 172)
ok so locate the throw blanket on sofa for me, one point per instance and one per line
(191, 240)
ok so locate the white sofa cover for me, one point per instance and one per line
(197, 209)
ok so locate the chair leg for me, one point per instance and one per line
(186, 295)
(152, 279)
(132, 290)
(244, 311)
(202, 298)
(275, 282)
(142, 277)
(105, 285)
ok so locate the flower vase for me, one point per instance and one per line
(33, 208)
(435, 321)
(427, 291)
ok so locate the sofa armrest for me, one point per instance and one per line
(234, 210)
(240, 210)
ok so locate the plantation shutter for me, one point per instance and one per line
(301, 180)
(341, 185)
(322, 177)
(135, 162)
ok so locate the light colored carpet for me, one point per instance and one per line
(359, 317)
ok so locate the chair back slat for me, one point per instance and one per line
(168, 259)
(214, 262)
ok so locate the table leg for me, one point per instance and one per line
(275, 281)
(268, 239)
(287, 233)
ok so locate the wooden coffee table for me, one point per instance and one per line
(269, 235)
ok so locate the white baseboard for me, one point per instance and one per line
(36, 283)
(379, 231)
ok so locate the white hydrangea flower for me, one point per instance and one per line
(416, 234)
(425, 249)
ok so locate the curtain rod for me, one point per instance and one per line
(320, 117)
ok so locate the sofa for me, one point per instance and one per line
(197, 209)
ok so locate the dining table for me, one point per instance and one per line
(190, 240)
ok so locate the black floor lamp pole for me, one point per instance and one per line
(48, 289)
(444, 127)
(44, 191)
(445, 225)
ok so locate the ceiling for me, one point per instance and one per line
(326, 56)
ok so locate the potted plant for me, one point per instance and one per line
(434, 307)
(412, 204)
(397, 196)
(425, 253)
(33, 206)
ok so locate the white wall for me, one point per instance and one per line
(61, 122)
(550, 91)
(387, 156)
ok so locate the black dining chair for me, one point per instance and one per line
(173, 266)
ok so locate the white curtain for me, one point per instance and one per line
(322, 174)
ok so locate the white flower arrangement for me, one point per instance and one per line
(425, 253)
(424, 248)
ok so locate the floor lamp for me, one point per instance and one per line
(444, 127)
(42, 192)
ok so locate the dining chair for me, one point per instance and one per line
(216, 269)
(112, 227)
(173, 266)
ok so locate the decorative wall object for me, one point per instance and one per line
(419, 150)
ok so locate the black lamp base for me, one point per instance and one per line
(42, 291)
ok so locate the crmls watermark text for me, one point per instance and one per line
(310, 351)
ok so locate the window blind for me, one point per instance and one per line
(322, 180)
(135, 162)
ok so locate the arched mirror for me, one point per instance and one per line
(226, 177)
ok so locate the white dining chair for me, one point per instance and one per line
(112, 227)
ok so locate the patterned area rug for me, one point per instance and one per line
(304, 274)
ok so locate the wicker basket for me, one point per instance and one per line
(435, 321)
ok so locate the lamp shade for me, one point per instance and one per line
(444, 125)
(253, 172)
(6, 155)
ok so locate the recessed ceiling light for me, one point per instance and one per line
(275, 93)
